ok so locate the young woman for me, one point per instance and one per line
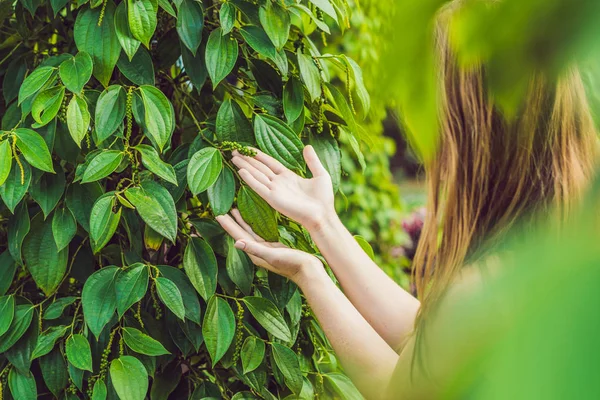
(489, 174)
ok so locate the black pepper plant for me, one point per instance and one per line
(118, 121)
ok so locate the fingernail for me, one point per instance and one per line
(240, 245)
(235, 153)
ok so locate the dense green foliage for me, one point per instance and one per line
(117, 125)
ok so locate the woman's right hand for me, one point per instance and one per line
(306, 201)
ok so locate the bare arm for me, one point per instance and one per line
(385, 305)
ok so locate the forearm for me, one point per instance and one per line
(367, 359)
(388, 308)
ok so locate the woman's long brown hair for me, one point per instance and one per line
(490, 172)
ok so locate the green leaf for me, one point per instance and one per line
(259, 41)
(166, 5)
(102, 165)
(232, 125)
(195, 67)
(328, 150)
(141, 343)
(76, 72)
(358, 83)
(131, 286)
(258, 214)
(129, 44)
(58, 5)
(190, 22)
(268, 316)
(287, 362)
(221, 55)
(80, 200)
(129, 378)
(7, 312)
(98, 299)
(45, 263)
(188, 293)
(100, 42)
(252, 353)
(293, 99)
(161, 123)
(218, 328)
(46, 105)
(64, 227)
(362, 242)
(34, 149)
(18, 327)
(227, 16)
(204, 169)
(110, 112)
(140, 69)
(326, 7)
(222, 193)
(16, 185)
(54, 371)
(8, 268)
(142, 19)
(239, 268)
(340, 385)
(200, 266)
(5, 161)
(78, 119)
(276, 22)
(100, 391)
(103, 221)
(170, 295)
(156, 207)
(152, 161)
(18, 227)
(22, 387)
(310, 75)
(13, 79)
(35, 81)
(79, 352)
(47, 340)
(277, 139)
(56, 308)
(47, 190)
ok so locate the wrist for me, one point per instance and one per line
(321, 221)
(309, 272)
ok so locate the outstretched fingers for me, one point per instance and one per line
(270, 162)
(242, 163)
(238, 218)
(233, 228)
(313, 162)
(255, 184)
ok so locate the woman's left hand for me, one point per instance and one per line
(275, 257)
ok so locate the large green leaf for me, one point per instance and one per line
(341, 386)
(293, 99)
(56, 309)
(188, 293)
(5, 161)
(258, 214)
(46, 105)
(141, 343)
(16, 185)
(156, 207)
(35, 81)
(221, 55)
(276, 22)
(326, 7)
(45, 263)
(160, 118)
(204, 169)
(227, 16)
(129, 44)
(129, 378)
(100, 391)
(151, 160)
(190, 22)
(23, 316)
(76, 72)
(79, 352)
(54, 371)
(222, 193)
(328, 150)
(277, 139)
(34, 149)
(47, 190)
(170, 295)
(80, 200)
(268, 315)
(252, 353)
(200, 266)
(232, 125)
(287, 362)
(98, 299)
(218, 328)
(100, 42)
(19, 355)
(18, 227)
(47, 340)
(239, 268)
(310, 75)
(259, 41)
(78, 119)
(103, 221)
(110, 112)
(102, 165)
(131, 286)
(142, 19)
(22, 387)
(140, 69)
(195, 67)
(7, 313)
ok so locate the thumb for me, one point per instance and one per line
(254, 249)
(313, 162)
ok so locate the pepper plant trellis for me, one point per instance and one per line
(118, 119)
